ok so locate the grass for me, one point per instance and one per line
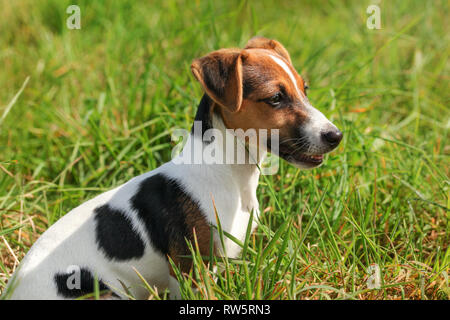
(101, 102)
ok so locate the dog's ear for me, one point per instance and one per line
(264, 43)
(220, 74)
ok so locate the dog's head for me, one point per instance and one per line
(258, 88)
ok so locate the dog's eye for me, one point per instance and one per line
(306, 87)
(275, 100)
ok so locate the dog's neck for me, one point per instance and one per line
(208, 117)
(231, 186)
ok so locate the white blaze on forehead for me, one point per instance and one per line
(286, 68)
(317, 121)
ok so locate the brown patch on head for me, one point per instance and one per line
(269, 44)
(263, 79)
(241, 82)
(278, 49)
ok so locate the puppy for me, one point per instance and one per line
(150, 218)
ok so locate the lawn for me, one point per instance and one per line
(83, 111)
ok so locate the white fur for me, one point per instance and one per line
(71, 240)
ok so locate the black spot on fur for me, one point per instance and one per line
(163, 207)
(204, 115)
(74, 288)
(115, 235)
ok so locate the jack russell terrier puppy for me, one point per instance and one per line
(145, 221)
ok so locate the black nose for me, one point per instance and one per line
(332, 137)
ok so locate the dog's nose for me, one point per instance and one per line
(332, 137)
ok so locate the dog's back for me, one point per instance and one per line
(63, 263)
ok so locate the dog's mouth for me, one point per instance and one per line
(305, 160)
(301, 157)
(312, 159)
(302, 160)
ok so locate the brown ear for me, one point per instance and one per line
(264, 43)
(220, 74)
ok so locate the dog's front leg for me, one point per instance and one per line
(174, 289)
